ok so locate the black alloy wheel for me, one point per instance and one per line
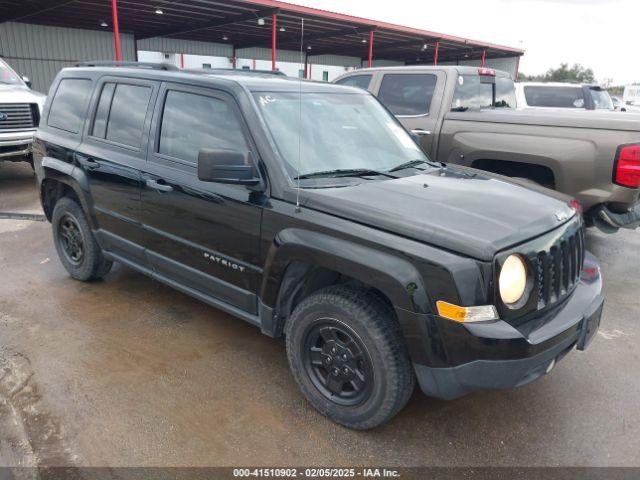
(71, 239)
(337, 362)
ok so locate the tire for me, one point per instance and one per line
(70, 230)
(378, 380)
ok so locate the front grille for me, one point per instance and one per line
(558, 268)
(19, 116)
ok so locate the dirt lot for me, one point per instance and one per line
(129, 372)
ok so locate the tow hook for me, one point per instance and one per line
(610, 222)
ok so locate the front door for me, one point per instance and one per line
(204, 236)
(112, 155)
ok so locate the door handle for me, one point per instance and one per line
(88, 163)
(420, 131)
(160, 187)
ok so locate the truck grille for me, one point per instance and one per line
(558, 268)
(17, 116)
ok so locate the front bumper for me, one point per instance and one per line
(15, 144)
(462, 358)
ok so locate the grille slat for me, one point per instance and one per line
(558, 268)
(19, 116)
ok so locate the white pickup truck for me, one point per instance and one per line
(20, 109)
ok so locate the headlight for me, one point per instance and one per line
(513, 280)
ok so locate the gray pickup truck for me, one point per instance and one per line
(466, 116)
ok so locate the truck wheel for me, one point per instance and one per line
(77, 249)
(348, 357)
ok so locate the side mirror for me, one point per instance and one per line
(27, 81)
(225, 166)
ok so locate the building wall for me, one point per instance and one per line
(40, 52)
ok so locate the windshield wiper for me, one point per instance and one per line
(415, 163)
(345, 172)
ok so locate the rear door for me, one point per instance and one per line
(203, 236)
(113, 155)
(415, 99)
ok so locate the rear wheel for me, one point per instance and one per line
(75, 244)
(348, 356)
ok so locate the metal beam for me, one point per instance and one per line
(184, 29)
(321, 36)
(116, 30)
(26, 12)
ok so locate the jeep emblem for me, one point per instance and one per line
(3, 116)
(562, 215)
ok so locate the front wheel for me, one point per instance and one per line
(349, 358)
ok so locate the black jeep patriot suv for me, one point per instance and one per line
(306, 209)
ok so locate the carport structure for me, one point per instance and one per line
(267, 24)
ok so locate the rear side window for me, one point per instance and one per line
(554, 97)
(408, 94)
(69, 104)
(193, 122)
(359, 81)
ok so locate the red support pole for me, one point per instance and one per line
(370, 49)
(274, 20)
(116, 30)
(435, 54)
(484, 56)
(182, 60)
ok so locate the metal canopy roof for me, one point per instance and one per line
(237, 22)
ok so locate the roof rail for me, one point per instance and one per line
(147, 65)
(236, 71)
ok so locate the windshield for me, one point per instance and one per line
(601, 99)
(474, 92)
(328, 132)
(8, 76)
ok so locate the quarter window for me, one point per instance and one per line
(70, 104)
(359, 81)
(408, 94)
(193, 122)
(554, 97)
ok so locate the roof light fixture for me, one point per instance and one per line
(282, 29)
(425, 47)
(261, 21)
(104, 24)
(159, 11)
(225, 38)
(364, 40)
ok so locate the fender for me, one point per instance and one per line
(68, 174)
(396, 277)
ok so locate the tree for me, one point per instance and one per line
(577, 73)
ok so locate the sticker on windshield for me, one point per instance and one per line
(266, 100)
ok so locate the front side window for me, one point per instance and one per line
(554, 97)
(128, 112)
(324, 132)
(358, 81)
(193, 122)
(408, 94)
(70, 104)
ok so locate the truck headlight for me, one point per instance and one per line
(513, 280)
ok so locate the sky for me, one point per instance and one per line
(599, 34)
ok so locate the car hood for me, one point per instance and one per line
(461, 210)
(20, 94)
